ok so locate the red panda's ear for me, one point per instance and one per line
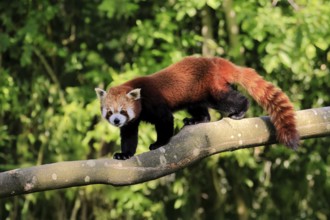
(100, 93)
(134, 94)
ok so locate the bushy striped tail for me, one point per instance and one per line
(275, 102)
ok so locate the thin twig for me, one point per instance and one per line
(51, 73)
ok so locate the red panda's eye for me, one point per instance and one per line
(109, 113)
(122, 112)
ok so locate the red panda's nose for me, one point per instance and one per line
(116, 121)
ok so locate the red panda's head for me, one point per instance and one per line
(120, 104)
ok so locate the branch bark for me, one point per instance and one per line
(191, 145)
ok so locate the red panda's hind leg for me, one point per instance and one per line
(231, 104)
(199, 114)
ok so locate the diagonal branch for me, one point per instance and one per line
(192, 144)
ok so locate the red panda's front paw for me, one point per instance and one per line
(154, 146)
(189, 121)
(122, 156)
(193, 121)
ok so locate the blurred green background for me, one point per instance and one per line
(54, 53)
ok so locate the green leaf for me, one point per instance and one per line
(285, 58)
(178, 203)
(310, 51)
(4, 42)
(215, 4)
(322, 44)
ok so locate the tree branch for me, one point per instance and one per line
(235, 47)
(209, 46)
(191, 144)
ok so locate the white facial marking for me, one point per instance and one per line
(104, 112)
(118, 120)
(130, 113)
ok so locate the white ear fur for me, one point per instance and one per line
(134, 94)
(100, 93)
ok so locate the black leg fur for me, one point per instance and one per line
(164, 128)
(232, 104)
(199, 114)
(129, 140)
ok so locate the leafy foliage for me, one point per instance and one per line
(53, 54)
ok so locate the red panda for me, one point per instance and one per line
(195, 84)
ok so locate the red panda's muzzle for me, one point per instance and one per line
(118, 120)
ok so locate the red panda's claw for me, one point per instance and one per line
(189, 121)
(154, 146)
(122, 156)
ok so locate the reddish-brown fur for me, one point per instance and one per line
(117, 99)
(194, 80)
